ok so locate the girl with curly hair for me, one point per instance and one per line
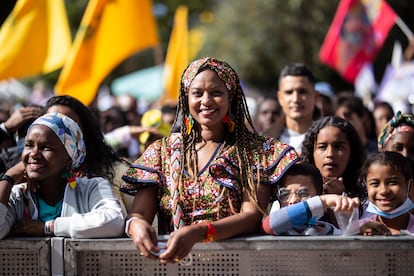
(334, 147)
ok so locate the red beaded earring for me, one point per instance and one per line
(230, 122)
(189, 123)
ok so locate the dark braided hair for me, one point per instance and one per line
(242, 139)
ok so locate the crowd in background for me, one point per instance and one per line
(115, 112)
(317, 149)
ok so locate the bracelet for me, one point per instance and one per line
(9, 180)
(48, 229)
(211, 233)
(128, 222)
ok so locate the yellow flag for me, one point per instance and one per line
(34, 39)
(176, 59)
(110, 31)
(196, 38)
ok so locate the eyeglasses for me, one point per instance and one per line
(285, 194)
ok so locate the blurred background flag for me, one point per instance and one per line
(34, 39)
(176, 58)
(110, 32)
(356, 35)
(142, 84)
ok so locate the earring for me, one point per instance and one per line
(71, 178)
(230, 122)
(189, 123)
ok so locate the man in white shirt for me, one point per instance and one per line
(297, 97)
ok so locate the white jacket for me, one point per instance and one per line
(90, 210)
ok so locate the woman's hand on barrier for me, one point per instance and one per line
(181, 242)
(144, 237)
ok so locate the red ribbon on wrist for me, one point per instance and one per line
(211, 233)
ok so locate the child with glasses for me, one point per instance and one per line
(300, 204)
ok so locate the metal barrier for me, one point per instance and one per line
(258, 255)
(28, 256)
(261, 255)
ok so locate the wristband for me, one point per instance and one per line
(9, 180)
(48, 229)
(211, 233)
(127, 223)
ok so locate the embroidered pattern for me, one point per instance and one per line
(218, 191)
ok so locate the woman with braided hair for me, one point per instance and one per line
(212, 180)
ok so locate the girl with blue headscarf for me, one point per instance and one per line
(55, 201)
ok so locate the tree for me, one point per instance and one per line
(259, 37)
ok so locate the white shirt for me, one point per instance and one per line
(293, 138)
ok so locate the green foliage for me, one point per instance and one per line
(259, 37)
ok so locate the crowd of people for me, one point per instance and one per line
(205, 169)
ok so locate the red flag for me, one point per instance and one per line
(356, 35)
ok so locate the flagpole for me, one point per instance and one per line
(404, 28)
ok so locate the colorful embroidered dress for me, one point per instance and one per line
(218, 191)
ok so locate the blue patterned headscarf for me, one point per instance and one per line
(68, 132)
